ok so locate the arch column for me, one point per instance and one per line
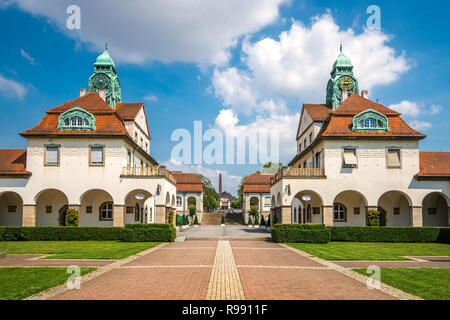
(328, 215)
(416, 216)
(286, 214)
(160, 213)
(29, 215)
(118, 215)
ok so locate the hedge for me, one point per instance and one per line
(59, 233)
(151, 232)
(299, 234)
(306, 226)
(149, 235)
(390, 234)
(148, 226)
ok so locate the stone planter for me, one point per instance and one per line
(177, 227)
(250, 226)
(195, 225)
(256, 226)
(222, 225)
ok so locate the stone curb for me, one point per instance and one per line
(397, 293)
(62, 288)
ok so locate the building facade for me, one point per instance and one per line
(189, 194)
(91, 154)
(354, 155)
(256, 194)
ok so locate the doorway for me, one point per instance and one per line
(62, 216)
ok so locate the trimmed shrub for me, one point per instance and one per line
(300, 235)
(72, 218)
(171, 217)
(148, 226)
(60, 233)
(390, 234)
(268, 221)
(196, 220)
(192, 211)
(149, 234)
(263, 223)
(250, 221)
(222, 221)
(373, 218)
(300, 226)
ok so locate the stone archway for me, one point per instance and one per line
(349, 208)
(51, 208)
(11, 209)
(304, 211)
(397, 206)
(435, 212)
(139, 205)
(96, 209)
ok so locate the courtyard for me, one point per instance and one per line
(229, 267)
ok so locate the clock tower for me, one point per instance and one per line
(105, 77)
(342, 78)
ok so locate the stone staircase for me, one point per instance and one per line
(212, 218)
(215, 219)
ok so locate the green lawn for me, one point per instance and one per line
(372, 250)
(19, 283)
(77, 249)
(426, 283)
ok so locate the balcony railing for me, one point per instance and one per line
(148, 172)
(298, 173)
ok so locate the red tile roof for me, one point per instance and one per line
(434, 164)
(317, 112)
(108, 121)
(356, 104)
(188, 182)
(257, 182)
(128, 111)
(340, 124)
(13, 162)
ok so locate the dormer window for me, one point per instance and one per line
(370, 121)
(76, 119)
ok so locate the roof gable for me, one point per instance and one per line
(434, 164)
(13, 162)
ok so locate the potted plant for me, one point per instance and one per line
(222, 223)
(250, 223)
(263, 222)
(195, 222)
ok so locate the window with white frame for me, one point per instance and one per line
(267, 201)
(179, 201)
(97, 155)
(349, 159)
(339, 212)
(393, 158)
(52, 155)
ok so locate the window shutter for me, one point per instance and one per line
(97, 155)
(350, 157)
(393, 158)
(52, 155)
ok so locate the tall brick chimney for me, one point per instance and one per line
(220, 183)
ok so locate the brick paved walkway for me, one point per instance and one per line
(224, 269)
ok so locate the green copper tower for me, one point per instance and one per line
(342, 78)
(105, 77)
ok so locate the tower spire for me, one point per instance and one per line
(341, 46)
(106, 45)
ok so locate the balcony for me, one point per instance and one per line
(300, 173)
(148, 172)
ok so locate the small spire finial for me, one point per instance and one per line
(341, 47)
(106, 45)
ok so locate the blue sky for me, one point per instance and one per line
(223, 61)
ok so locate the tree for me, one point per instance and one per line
(72, 218)
(373, 218)
(276, 166)
(241, 188)
(237, 204)
(196, 220)
(210, 196)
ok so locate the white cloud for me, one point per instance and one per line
(435, 109)
(151, 98)
(420, 125)
(408, 108)
(229, 182)
(285, 124)
(199, 31)
(298, 64)
(28, 57)
(10, 88)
